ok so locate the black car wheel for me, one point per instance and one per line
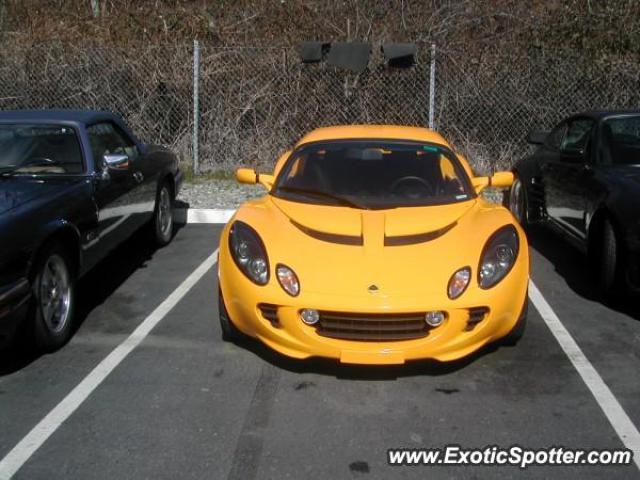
(517, 202)
(607, 261)
(162, 222)
(230, 333)
(53, 299)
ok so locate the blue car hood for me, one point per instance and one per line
(15, 191)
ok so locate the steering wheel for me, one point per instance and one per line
(424, 183)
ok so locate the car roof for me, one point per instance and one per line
(600, 114)
(373, 132)
(57, 115)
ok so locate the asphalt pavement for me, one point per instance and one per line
(183, 404)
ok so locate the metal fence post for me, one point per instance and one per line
(432, 87)
(196, 105)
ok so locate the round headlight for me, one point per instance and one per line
(434, 319)
(458, 283)
(248, 252)
(310, 316)
(288, 280)
(498, 256)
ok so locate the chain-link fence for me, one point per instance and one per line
(486, 106)
(256, 102)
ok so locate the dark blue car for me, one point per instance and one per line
(73, 185)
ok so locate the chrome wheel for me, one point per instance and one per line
(165, 213)
(55, 293)
(517, 203)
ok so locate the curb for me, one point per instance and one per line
(202, 215)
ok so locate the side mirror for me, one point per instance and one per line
(250, 177)
(480, 183)
(116, 161)
(502, 180)
(537, 137)
(497, 180)
(247, 175)
(266, 180)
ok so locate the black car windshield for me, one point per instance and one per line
(620, 143)
(373, 175)
(33, 149)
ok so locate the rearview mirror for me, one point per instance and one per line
(537, 137)
(116, 161)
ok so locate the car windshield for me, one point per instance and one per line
(39, 149)
(621, 141)
(373, 175)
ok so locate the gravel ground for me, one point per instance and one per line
(228, 194)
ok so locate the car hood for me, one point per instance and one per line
(397, 222)
(404, 252)
(18, 190)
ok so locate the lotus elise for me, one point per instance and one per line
(373, 246)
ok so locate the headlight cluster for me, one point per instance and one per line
(249, 253)
(250, 256)
(498, 256)
(497, 259)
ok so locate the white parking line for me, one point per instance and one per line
(17, 457)
(609, 404)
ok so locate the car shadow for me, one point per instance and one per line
(91, 291)
(571, 264)
(333, 368)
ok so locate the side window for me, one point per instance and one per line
(107, 138)
(554, 139)
(575, 141)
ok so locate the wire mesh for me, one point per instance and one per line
(255, 102)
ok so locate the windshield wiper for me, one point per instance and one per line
(320, 193)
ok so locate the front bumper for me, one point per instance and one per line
(450, 341)
(14, 300)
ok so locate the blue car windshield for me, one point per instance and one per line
(620, 144)
(373, 175)
(39, 149)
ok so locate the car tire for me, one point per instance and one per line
(230, 332)
(608, 261)
(517, 203)
(53, 303)
(516, 333)
(162, 222)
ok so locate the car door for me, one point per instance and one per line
(146, 172)
(566, 175)
(116, 189)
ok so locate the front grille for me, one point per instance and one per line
(372, 327)
(270, 312)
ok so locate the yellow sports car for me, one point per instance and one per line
(373, 246)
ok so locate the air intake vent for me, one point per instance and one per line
(418, 238)
(476, 315)
(330, 237)
(270, 312)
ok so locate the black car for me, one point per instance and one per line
(584, 180)
(73, 185)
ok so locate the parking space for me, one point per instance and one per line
(183, 404)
